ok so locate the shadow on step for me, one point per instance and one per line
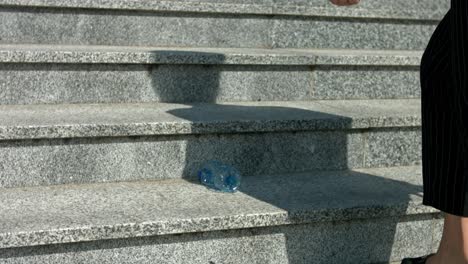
(338, 215)
(360, 241)
(358, 217)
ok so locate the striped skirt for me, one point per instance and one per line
(444, 112)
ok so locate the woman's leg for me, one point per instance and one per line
(453, 246)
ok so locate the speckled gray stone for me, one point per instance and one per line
(104, 27)
(426, 9)
(301, 136)
(59, 161)
(74, 213)
(84, 83)
(351, 34)
(91, 83)
(143, 28)
(72, 74)
(179, 55)
(412, 9)
(112, 120)
(372, 215)
(350, 82)
(392, 148)
(244, 246)
(372, 241)
(364, 241)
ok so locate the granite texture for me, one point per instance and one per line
(340, 33)
(352, 82)
(411, 9)
(123, 83)
(244, 246)
(143, 28)
(90, 143)
(104, 27)
(77, 213)
(90, 54)
(374, 241)
(321, 216)
(98, 83)
(391, 148)
(62, 161)
(112, 120)
(365, 241)
(43, 74)
(426, 9)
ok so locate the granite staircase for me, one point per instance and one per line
(108, 107)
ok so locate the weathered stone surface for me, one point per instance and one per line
(143, 28)
(368, 241)
(359, 82)
(59, 161)
(112, 120)
(91, 143)
(76, 213)
(61, 74)
(426, 9)
(391, 148)
(84, 83)
(212, 56)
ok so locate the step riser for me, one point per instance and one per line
(359, 241)
(359, 82)
(107, 27)
(375, 230)
(421, 5)
(83, 83)
(62, 161)
(426, 9)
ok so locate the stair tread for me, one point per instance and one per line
(73, 213)
(139, 119)
(33, 53)
(263, 7)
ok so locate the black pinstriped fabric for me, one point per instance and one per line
(444, 112)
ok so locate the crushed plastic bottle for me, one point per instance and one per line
(219, 176)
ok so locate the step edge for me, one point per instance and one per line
(236, 9)
(197, 225)
(330, 118)
(213, 56)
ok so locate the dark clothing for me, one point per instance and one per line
(444, 101)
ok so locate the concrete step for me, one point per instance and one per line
(358, 216)
(44, 74)
(211, 24)
(406, 9)
(57, 144)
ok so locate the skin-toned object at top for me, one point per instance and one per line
(344, 2)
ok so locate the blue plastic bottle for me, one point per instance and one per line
(219, 176)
